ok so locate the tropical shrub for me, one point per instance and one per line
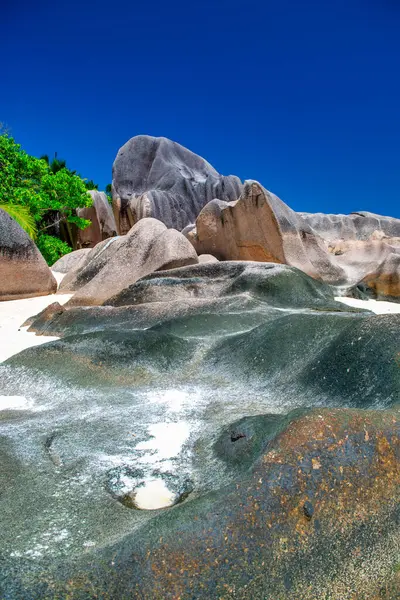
(23, 216)
(41, 195)
(52, 248)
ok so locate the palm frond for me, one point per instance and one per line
(23, 216)
(57, 164)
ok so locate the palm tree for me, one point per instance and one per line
(23, 216)
(56, 164)
(90, 184)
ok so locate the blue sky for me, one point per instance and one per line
(302, 95)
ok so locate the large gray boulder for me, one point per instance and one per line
(355, 226)
(70, 261)
(277, 285)
(102, 219)
(155, 177)
(116, 263)
(383, 283)
(342, 250)
(209, 298)
(260, 227)
(23, 270)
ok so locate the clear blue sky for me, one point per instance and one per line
(302, 95)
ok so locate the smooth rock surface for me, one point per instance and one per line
(384, 280)
(343, 250)
(355, 226)
(316, 517)
(116, 263)
(207, 258)
(164, 446)
(155, 177)
(259, 226)
(277, 285)
(23, 270)
(70, 261)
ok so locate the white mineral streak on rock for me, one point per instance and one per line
(166, 442)
(15, 403)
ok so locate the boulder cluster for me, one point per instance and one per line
(221, 217)
(23, 270)
(212, 423)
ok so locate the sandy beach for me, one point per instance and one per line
(14, 338)
(379, 307)
(13, 313)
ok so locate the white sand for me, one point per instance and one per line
(13, 337)
(379, 307)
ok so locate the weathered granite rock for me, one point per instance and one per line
(99, 254)
(277, 285)
(115, 264)
(188, 229)
(213, 298)
(384, 281)
(42, 321)
(190, 386)
(70, 261)
(343, 250)
(103, 222)
(316, 517)
(259, 226)
(207, 258)
(371, 266)
(23, 270)
(355, 226)
(312, 513)
(155, 177)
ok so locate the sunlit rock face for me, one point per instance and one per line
(155, 177)
(23, 270)
(164, 447)
(117, 262)
(70, 261)
(355, 226)
(343, 250)
(259, 226)
(383, 282)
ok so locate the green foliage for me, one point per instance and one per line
(91, 185)
(108, 192)
(52, 248)
(32, 182)
(23, 216)
(57, 164)
(38, 191)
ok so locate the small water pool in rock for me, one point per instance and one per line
(135, 489)
(152, 495)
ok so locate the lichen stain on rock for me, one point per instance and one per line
(263, 530)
